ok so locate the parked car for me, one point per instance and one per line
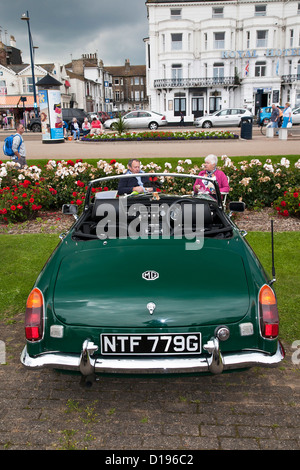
(296, 116)
(99, 115)
(139, 119)
(67, 114)
(224, 117)
(264, 115)
(153, 283)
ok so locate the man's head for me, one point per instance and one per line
(20, 128)
(134, 165)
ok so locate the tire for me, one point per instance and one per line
(36, 128)
(207, 125)
(153, 126)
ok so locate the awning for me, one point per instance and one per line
(14, 101)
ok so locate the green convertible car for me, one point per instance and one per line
(152, 283)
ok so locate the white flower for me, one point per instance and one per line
(188, 161)
(297, 164)
(168, 165)
(285, 162)
(245, 181)
(269, 167)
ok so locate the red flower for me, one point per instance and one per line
(13, 208)
(24, 195)
(31, 199)
(19, 206)
(112, 162)
(70, 162)
(296, 194)
(283, 203)
(74, 194)
(286, 213)
(79, 160)
(78, 202)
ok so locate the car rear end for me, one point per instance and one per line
(151, 306)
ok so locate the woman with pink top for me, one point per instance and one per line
(96, 127)
(211, 171)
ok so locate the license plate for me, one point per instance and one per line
(157, 344)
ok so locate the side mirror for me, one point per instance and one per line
(69, 209)
(237, 206)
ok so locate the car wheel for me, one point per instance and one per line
(153, 126)
(207, 124)
(36, 128)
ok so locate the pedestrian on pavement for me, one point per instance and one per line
(287, 116)
(20, 153)
(181, 119)
(274, 116)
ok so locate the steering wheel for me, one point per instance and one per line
(174, 212)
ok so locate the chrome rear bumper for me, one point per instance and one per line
(214, 362)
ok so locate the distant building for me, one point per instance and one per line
(202, 56)
(129, 86)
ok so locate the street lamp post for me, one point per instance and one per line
(25, 17)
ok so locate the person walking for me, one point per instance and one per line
(18, 146)
(287, 115)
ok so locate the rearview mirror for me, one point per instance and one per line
(237, 206)
(69, 209)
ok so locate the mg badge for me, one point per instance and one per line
(151, 306)
(150, 275)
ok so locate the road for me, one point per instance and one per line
(256, 409)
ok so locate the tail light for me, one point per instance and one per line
(163, 118)
(34, 322)
(269, 319)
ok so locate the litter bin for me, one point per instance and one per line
(246, 127)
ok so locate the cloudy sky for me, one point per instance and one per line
(66, 29)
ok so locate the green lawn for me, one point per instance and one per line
(161, 161)
(23, 256)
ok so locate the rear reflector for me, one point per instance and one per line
(269, 319)
(34, 316)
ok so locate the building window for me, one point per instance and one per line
(291, 37)
(298, 11)
(217, 12)
(116, 81)
(176, 39)
(176, 71)
(117, 96)
(262, 38)
(205, 41)
(218, 70)
(260, 69)
(219, 40)
(179, 104)
(248, 39)
(260, 10)
(137, 96)
(136, 80)
(175, 13)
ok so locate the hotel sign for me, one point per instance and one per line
(249, 53)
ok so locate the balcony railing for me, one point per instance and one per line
(194, 82)
(290, 78)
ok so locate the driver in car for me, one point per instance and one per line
(138, 184)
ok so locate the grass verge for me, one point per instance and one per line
(23, 256)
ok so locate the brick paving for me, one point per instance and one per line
(255, 409)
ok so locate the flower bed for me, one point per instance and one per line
(159, 136)
(24, 192)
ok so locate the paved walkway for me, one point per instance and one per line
(256, 409)
(258, 145)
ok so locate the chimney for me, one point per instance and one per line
(12, 41)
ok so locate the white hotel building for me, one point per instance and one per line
(202, 56)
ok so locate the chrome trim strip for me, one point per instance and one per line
(239, 360)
